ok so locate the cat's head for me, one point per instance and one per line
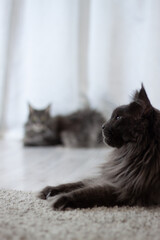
(39, 116)
(129, 122)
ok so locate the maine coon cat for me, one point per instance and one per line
(132, 174)
(37, 129)
(79, 129)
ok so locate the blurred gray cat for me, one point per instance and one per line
(79, 129)
(37, 130)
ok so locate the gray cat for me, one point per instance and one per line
(79, 129)
(37, 130)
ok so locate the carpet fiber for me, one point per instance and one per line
(22, 216)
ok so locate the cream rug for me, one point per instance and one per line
(24, 217)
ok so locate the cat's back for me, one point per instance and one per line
(86, 116)
(82, 128)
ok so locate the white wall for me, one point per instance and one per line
(70, 51)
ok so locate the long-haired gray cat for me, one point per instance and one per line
(79, 129)
(37, 130)
(132, 174)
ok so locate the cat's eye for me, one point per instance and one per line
(118, 117)
(34, 119)
(43, 119)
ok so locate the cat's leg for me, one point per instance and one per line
(50, 191)
(86, 197)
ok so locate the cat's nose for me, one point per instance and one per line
(103, 126)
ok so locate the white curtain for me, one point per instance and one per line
(76, 52)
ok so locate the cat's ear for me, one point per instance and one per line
(141, 95)
(141, 98)
(48, 108)
(31, 110)
(136, 109)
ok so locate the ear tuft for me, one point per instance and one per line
(30, 108)
(141, 95)
(142, 98)
(48, 108)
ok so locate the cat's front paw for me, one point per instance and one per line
(63, 202)
(47, 192)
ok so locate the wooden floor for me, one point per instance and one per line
(31, 169)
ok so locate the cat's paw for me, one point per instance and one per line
(47, 192)
(63, 202)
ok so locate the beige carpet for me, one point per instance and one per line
(22, 216)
